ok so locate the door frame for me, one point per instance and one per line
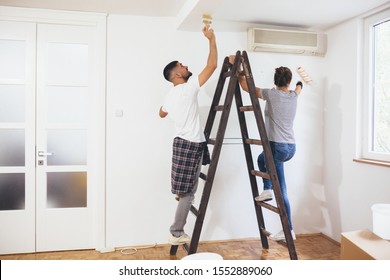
(99, 21)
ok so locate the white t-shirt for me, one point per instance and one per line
(181, 104)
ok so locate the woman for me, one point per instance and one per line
(280, 110)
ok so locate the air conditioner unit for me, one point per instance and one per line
(286, 41)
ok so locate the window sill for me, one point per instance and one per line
(373, 162)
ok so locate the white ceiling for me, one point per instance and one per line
(228, 15)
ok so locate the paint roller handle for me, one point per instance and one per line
(298, 87)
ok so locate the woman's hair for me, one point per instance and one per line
(282, 76)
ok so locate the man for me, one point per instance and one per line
(181, 106)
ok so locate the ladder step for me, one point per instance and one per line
(260, 174)
(203, 176)
(211, 141)
(253, 141)
(227, 74)
(246, 108)
(265, 232)
(194, 211)
(268, 206)
(219, 108)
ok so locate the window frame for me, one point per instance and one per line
(368, 86)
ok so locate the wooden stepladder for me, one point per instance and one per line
(240, 67)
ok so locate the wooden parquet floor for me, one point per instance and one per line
(308, 247)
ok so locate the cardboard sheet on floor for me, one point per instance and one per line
(364, 245)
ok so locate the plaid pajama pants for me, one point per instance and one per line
(185, 164)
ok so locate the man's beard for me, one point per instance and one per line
(188, 76)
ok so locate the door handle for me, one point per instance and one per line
(43, 154)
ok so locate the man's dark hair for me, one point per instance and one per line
(168, 69)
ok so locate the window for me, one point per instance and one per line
(376, 89)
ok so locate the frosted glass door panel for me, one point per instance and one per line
(68, 147)
(12, 191)
(12, 103)
(67, 88)
(17, 136)
(66, 189)
(12, 59)
(67, 63)
(12, 147)
(67, 105)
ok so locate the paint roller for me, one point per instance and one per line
(305, 77)
(207, 20)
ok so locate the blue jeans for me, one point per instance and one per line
(281, 152)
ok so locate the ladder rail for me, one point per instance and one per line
(216, 150)
(250, 167)
(270, 165)
(216, 99)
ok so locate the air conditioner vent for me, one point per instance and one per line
(287, 41)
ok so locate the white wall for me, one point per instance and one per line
(140, 207)
(351, 188)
